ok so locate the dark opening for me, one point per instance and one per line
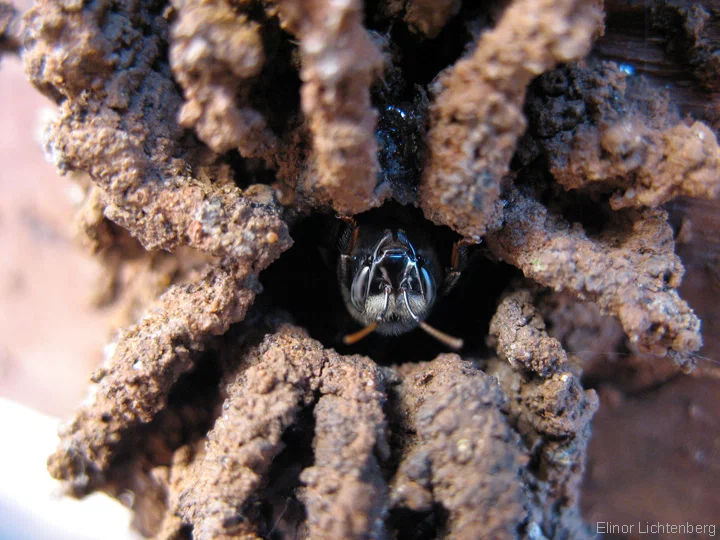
(304, 283)
(422, 58)
(249, 171)
(410, 525)
(284, 513)
(589, 208)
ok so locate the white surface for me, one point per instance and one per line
(31, 504)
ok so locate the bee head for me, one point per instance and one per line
(392, 286)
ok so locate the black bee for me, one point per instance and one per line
(390, 277)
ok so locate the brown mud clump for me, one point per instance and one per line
(233, 133)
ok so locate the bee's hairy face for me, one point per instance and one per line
(391, 286)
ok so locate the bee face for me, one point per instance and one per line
(386, 281)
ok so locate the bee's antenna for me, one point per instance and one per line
(454, 343)
(352, 339)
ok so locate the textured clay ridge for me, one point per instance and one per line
(588, 139)
(476, 118)
(213, 129)
(215, 56)
(131, 146)
(339, 63)
(344, 496)
(632, 272)
(458, 427)
(132, 386)
(549, 407)
(460, 437)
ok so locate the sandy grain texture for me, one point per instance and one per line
(339, 64)
(593, 129)
(476, 117)
(133, 385)
(344, 491)
(216, 55)
(549, 408)
(636, 285)
(459, 438)
(124, 133)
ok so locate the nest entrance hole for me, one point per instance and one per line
(411, 525)
(421, 57)
(304, 283)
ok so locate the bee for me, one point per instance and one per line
(390, 278)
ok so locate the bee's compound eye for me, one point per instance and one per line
(428, 285)
(359, 287)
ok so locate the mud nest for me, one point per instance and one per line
(222, 131)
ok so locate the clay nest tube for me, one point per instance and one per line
(214, 129)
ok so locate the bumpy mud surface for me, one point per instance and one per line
(214, 129)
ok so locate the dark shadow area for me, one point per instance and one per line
(423, 58)
(189, 414)
(249, 171)
(284, 513)
(589, 207)
(304, 282)
(276, 92)
(411, 525)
